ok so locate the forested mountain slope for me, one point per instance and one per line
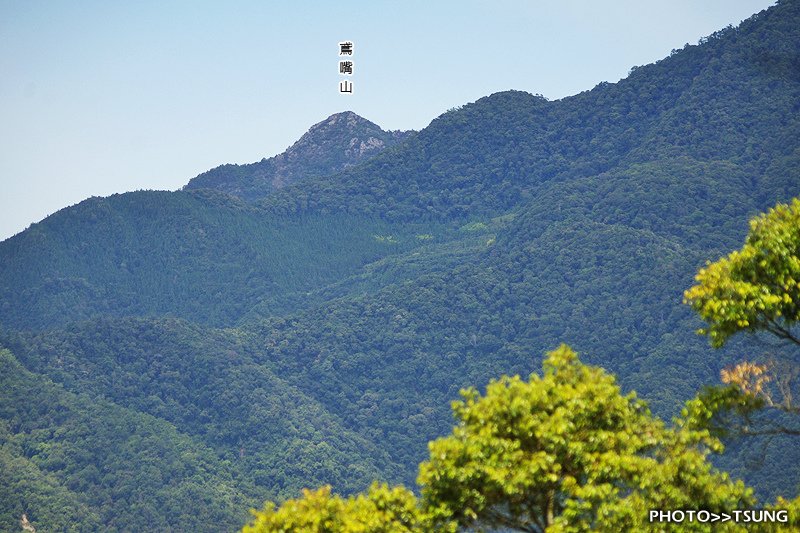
(73, 462)
(354, 305)
(191, 392)
(201, 255)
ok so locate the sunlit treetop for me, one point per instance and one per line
(567, 451)
(756, 288)
(380, 510)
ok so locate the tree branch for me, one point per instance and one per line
(781, 332)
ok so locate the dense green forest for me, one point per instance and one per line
(276, 327)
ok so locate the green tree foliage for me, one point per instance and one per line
(26, 488)
(756, 288)
(568, 452)
(380, 510)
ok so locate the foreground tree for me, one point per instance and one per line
(568, 452)
(380, 510)
(755, 289)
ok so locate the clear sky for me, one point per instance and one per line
(100, 97)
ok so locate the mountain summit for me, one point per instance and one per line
(341, 140)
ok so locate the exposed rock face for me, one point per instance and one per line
(340, 141)
(26, 525)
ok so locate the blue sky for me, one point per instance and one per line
(105, 97)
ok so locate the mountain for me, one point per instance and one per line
(731, 98)
(338, 142)
(317, 333)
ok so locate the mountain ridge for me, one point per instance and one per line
(449, 170)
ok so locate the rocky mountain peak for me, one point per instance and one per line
(340, 141)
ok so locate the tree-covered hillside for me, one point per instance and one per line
(76, 462)
(200, 255)
(317, 334)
